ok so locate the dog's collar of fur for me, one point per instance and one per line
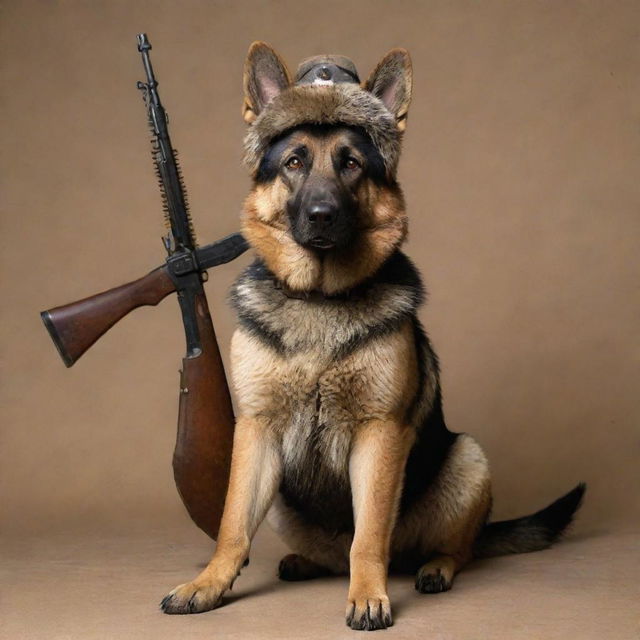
(347, 104)
(311, 295)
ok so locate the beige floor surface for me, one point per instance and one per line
(108, 585)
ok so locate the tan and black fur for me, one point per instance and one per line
(340, 436)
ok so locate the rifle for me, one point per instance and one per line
(202, 455)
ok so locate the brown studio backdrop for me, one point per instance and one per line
(520, 169)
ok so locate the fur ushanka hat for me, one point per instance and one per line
(326, 90)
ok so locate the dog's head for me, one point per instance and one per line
(325, 209)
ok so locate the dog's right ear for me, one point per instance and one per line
(265, 76)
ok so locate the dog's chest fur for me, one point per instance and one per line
(313, 369)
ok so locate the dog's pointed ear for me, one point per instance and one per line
(391, 81)
(265, 76)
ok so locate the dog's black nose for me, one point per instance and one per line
(321, 214)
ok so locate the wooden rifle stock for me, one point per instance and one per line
(75, 327)
(202, 456)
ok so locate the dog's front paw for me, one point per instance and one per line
(192, 597)
(369, 613)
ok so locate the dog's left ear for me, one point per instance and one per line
(391, 81)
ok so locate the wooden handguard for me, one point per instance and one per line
(202, 456)
(75, 327)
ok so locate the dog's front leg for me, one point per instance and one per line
(376, 470)
(255, 476)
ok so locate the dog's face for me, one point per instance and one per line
(323, 211)
(324, 173)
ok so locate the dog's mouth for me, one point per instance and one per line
(321, 243)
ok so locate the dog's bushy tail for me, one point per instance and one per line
(530, 533)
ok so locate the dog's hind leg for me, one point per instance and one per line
(442, 526)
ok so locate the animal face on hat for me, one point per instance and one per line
(325, 210)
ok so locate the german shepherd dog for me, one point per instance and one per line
(340, 433)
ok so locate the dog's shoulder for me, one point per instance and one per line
(339, 324)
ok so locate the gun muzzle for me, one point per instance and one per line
(143, 42)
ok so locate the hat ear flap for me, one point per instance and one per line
(265, 76)
(391, 82)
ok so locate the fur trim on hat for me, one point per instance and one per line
(342, 103)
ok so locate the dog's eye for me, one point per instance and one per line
(293, 163)
(351, 163)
